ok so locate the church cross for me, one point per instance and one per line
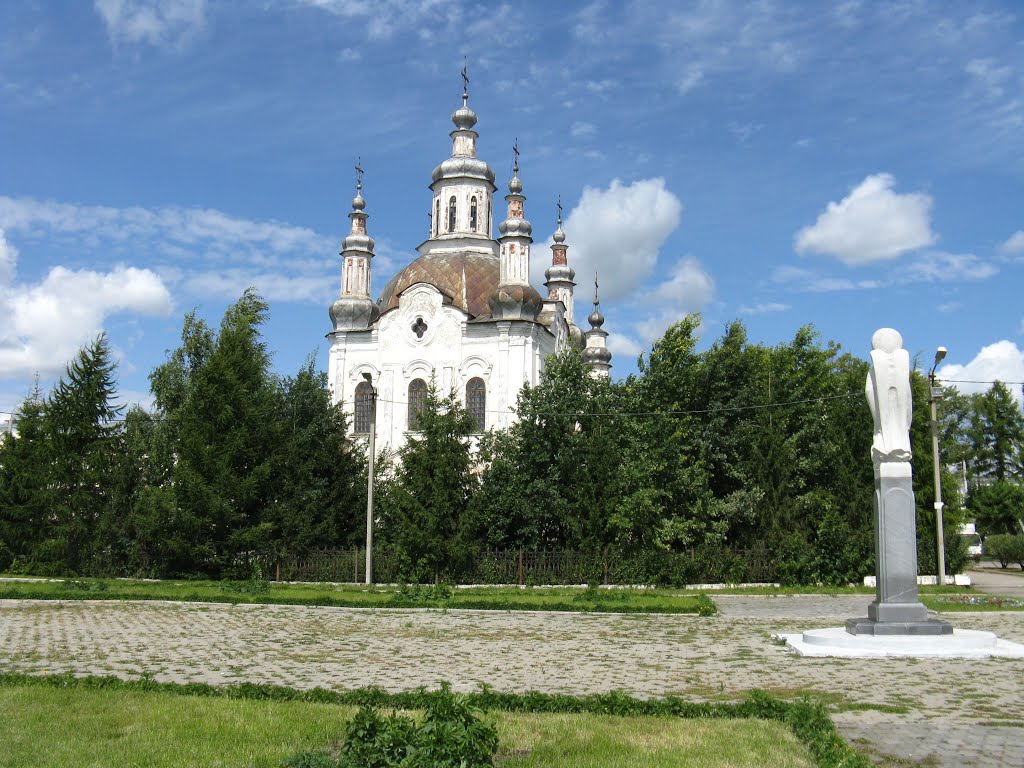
(359, 173)
(515, 151)
(559, 204)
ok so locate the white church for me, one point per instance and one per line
(463, 312)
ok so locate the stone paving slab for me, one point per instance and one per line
(959, 712)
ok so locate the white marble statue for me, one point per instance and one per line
(889, 398)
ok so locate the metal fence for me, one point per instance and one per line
(529, 567)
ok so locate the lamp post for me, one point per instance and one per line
(369, 479)
(934, 395)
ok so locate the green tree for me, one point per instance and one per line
(24, 482)
(79, 422)
(424, 507)
(998, 507)
(998, 434)
(319, 476)
(219, 401)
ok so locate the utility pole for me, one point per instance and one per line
(934, 395)
(369, 478)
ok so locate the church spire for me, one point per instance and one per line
(559, 277)
(596, 355)
(515, 298)
(354, 308)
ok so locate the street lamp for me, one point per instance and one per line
(369, 479)
(934, 395)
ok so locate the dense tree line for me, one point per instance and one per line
(739, 448)
(232, 465)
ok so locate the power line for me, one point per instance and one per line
(977, 381)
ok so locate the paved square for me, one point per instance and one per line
(959, 712)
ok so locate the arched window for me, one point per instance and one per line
(488, 217)
(437, 216)
(476, 402)
(364, 408)
(472, 213)
(451, 214)
(417, 400)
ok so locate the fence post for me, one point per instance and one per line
(520, 567)
(277, 571)
(604, 563)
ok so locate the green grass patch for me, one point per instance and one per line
(576, 599)
(75, 719)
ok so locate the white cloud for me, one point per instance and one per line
(743, 131)
(349, 54)
(812, 282)
(945, 267)
(581, 130)
(1015, 243)
(1003, 360)
(872, 223)
(155, 22)
(989, 76)
(385, 18)
(42, 325)
(689, 286)
(617, 232)
(763, 309)
(209, 252)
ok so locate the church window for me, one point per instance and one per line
(419, 327)
(476, 402)
(437, 216)
(417, 401)
(488, 217)
(472, 214)
(364, 408)
(451, 214)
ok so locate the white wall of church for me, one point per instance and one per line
(423, 337)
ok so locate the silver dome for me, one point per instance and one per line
(463, 167)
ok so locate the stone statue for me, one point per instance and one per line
(896, 609)
(889, 398)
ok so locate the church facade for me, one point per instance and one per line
(463, 313)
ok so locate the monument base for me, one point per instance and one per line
(862, 626)
(960, 644)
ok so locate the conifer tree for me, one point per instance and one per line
(427, 501)
(79, 423)
(319, 490)
(24, 491)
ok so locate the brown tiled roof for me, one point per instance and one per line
(466, 279)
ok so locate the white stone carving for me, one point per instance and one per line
(889, 397)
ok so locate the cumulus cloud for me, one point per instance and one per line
(872, 223)
(1003, 361)
(618, 232)
(1014, 244)
(42, 325)
(153, 22)
(689, 286)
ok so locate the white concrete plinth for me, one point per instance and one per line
(962, 644)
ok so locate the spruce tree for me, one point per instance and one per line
(319, 489)
(24, 485)
(428, 498)
(79, 423)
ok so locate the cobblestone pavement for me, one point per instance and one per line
(934, 712)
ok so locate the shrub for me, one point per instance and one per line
(451, 735)
(1006, 549)
(6, 557)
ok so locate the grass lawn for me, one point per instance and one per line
(58, 727)
(355, 596)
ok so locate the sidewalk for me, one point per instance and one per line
(947, 712)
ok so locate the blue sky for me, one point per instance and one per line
(850, 165)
